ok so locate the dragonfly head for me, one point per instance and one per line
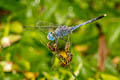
(50, 36)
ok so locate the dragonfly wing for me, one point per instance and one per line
(43, 26)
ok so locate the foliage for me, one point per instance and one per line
(24, 54)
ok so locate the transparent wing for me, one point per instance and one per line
(43, 26)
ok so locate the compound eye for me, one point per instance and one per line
(51, 38)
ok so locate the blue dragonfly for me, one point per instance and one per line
(59, 33)
(62, 31)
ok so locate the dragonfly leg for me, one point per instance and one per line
(63, 39)
(68, 46)
(56, 45)
(51, 46)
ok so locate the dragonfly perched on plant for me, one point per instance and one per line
(59, 33)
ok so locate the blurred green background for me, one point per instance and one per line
(25, 56)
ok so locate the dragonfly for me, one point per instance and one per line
(59, 33)
(62, 31)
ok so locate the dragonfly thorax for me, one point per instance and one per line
(51, 36)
